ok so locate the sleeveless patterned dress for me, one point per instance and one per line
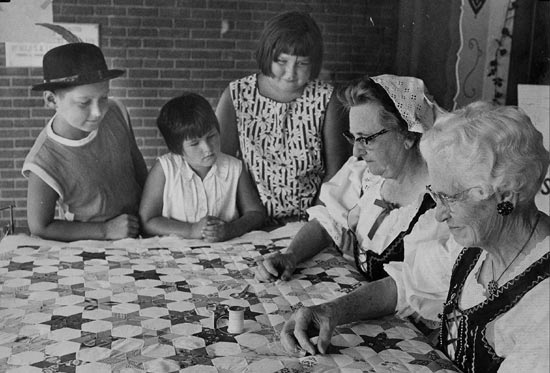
(281, 144)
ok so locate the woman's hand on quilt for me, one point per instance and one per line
(306, 323)
(275, 266)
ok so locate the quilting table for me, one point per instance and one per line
(150, 305)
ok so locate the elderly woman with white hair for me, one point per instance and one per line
(486, 165)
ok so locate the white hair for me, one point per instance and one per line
(489, 145)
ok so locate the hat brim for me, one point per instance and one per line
(50, 86)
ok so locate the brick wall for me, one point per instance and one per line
(167, 46)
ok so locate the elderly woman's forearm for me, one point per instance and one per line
(311, 239)
(370, 301)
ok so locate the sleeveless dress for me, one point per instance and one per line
(187, 198)
(281, 144)
(94, 177)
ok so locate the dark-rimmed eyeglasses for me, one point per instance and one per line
(363, 140)
(445, 200)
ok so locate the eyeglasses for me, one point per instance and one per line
(363, 140)
(445, 200)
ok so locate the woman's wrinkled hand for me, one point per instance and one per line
(308, 322)
(275, 266)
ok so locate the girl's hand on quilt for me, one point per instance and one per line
(215, 229)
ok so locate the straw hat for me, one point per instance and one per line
(74, 64)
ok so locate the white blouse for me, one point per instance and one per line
(349, 204)
(187, 198)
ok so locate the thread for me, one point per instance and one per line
(235, 323)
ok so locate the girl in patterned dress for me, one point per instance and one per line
(283, 122)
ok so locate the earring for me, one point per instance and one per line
(505, 208)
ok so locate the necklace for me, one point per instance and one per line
(492, 286)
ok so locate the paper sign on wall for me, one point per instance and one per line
(29, 54)
(535, 101)
(18, 18)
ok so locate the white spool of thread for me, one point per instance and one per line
(235, 324)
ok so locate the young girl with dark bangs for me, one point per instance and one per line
(195, 191)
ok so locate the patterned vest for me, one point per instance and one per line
(473, 353)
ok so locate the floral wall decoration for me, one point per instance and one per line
(484, 55)
(476, 5)
(502, 51)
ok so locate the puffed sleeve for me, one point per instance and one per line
(521, 334)
(339, 195)
(424, 276)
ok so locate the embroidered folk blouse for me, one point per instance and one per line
(349, 203)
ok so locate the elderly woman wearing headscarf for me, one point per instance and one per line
(486, 164)
(378, 197)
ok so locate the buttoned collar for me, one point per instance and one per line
(220, 169)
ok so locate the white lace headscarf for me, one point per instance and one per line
(412, 100)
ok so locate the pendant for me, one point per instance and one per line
(492, 288)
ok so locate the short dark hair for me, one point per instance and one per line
(294, 33)
(185, 117)
(365, 90)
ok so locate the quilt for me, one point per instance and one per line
(158, 306)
